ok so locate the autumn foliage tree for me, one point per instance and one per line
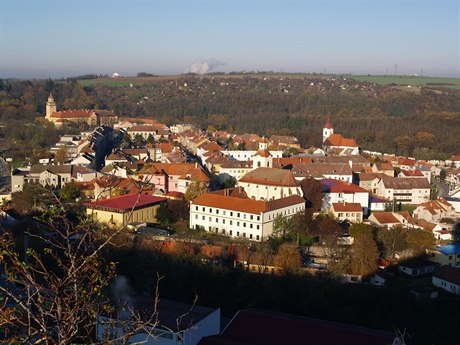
(54, 293)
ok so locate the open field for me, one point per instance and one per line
(435, 82)
(453, 83)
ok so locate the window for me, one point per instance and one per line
(238, 215)
(223, 221)
(203, 209)
(231, 222)
(210, 210)
(203, 217)
(244, 234)
(251, 217)
(257, 237)
(210, 219)
(250, 225)
(258, 217)
(217, 211)
(196, 208)
(250, 236)
(217, 220)
(237, 223)
(231, 214)
(244, 225)
(258, 227)
(196, 216)
(231, 232)
(238, 233)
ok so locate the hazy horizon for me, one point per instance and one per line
(57, 39)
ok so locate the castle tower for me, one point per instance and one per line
(327, 130)
(50, 107)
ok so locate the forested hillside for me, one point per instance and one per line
(420, 121)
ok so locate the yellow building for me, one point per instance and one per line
(90, 117)
(447, 255)
(125, 209)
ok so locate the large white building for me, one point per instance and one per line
(404, 190)
(230, 212)
(270, 184)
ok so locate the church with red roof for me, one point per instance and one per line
(336, 144)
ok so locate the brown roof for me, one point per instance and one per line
(385, 218)
(406, 183)
(245, 205)
(281, 162)
(263, 153)
(321, 169)
(237, 164)
(270, 176)
(55, 169)
(383, 166)
(347, 207)
(448, 273)
(212, 146)
(337, 186)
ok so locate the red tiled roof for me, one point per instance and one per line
(328, 124)
(347, 207)
(126, 202)
(67, 114)
(257, 327)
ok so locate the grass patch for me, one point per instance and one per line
(453, 83)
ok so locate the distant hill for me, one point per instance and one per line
(381, 113)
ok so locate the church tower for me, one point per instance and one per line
(327, 130)
(262, 158)
(50, 107)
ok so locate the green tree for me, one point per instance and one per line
(195, 189)
(392, 239)
(360, 229)
(60, 285)
(61, 155)
(288, 258)
(150, 139)
(139, 140)
(420, 240)
(363, 256)
(70, 192)
(163, 215)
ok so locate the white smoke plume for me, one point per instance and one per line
(204, 66)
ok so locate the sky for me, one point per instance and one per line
(63, 38)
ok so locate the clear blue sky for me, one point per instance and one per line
(53, 38)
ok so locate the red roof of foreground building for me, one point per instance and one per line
(347, 207)
(263, 327)
(126, 202)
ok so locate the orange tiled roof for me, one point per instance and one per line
(385, 218)
(245, 205)
(339, 140)
(347, 207)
